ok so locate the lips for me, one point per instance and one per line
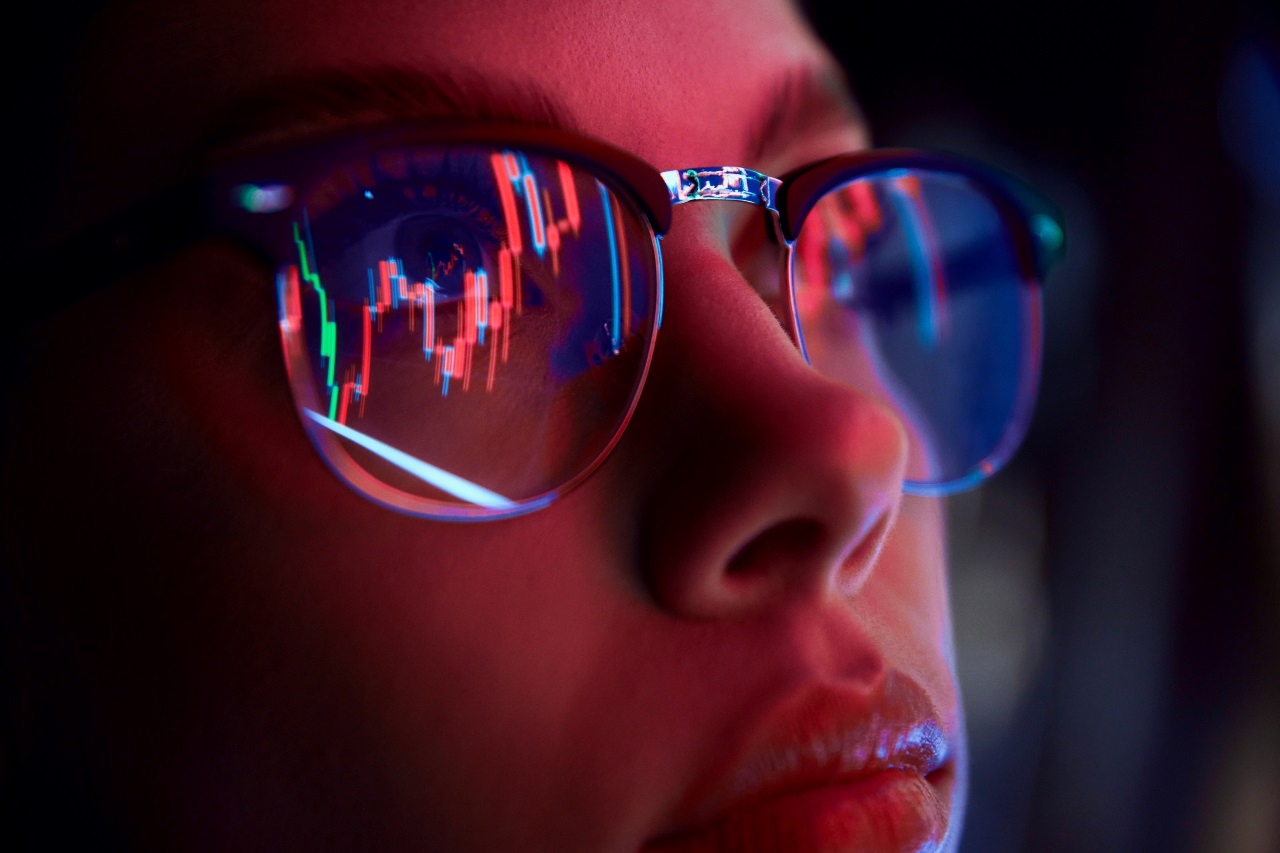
(828, 771)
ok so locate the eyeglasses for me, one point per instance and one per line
(468, 310)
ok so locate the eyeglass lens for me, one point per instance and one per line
(909, 285)
(466, 329)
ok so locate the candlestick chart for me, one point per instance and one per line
(503, 279)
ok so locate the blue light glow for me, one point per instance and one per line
(263, 199)
(922, 270)
(616, 326)
(441, 479)
(1047, 231)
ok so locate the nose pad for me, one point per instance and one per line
(766, 481)
(763, 256)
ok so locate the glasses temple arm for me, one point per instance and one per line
(101, 255)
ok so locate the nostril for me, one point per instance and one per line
(795, 539)
(773, 477)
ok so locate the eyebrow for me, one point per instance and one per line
(804, 100)
(288, 108)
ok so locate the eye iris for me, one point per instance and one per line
(439, 249)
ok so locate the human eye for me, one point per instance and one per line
(412, 226)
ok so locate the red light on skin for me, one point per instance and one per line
(570, 192)
(502, 177)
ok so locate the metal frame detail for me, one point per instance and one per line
(733, 183)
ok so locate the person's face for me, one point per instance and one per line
(681, 652)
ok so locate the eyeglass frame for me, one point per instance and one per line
(219, 201)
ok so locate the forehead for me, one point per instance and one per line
(679, 83)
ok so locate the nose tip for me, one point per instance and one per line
(775, 514)
(776, 482)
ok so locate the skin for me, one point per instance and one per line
(259, 658)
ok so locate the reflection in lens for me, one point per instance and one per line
(909, 286)
(467, 331)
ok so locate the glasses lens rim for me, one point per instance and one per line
(831, 176)
(334, 453)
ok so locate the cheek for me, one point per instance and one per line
(271, 626)
(277, 636)
(220, 363)
(479, 664)
(907, 594)
(146, 408)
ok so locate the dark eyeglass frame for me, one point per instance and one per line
(203, 205)
(219, 201)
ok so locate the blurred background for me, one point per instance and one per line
(1117, 589)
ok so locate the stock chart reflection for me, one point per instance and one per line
(472, 310)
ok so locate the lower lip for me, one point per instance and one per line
(894, 811)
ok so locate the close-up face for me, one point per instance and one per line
(733, 634)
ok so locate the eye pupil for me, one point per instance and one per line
(438, 248)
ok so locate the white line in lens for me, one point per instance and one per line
(443, 480)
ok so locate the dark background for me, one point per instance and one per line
(1117, 588)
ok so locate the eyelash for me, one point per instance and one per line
(404, 208)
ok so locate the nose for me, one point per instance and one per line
(773, 482)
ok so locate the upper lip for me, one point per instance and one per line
(824, 735)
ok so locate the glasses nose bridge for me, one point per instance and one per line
(722, 183)
(740, 184)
